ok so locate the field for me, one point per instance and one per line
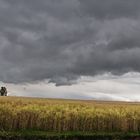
(51, 115)
(68, 115)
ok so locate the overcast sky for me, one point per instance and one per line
(83, 49)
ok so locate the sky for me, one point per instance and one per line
(74, 49)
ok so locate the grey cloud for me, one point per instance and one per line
(62, 40)
(110, 9)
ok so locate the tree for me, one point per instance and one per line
(3, 91)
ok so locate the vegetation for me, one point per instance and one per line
(42, 135)
(68, 115)
(3, 91)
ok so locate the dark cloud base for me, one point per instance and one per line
(63, 40)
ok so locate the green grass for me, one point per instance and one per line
(66, 135)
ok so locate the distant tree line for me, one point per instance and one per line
(3, 91)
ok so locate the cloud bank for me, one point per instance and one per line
(101, 87)
(66, 39)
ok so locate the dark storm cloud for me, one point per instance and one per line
(62, 40)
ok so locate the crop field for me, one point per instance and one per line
(17, 113)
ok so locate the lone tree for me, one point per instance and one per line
(3, 91)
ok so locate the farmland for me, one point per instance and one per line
(63, 116)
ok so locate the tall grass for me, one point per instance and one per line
(68, 115)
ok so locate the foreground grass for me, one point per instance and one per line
(67, 135)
